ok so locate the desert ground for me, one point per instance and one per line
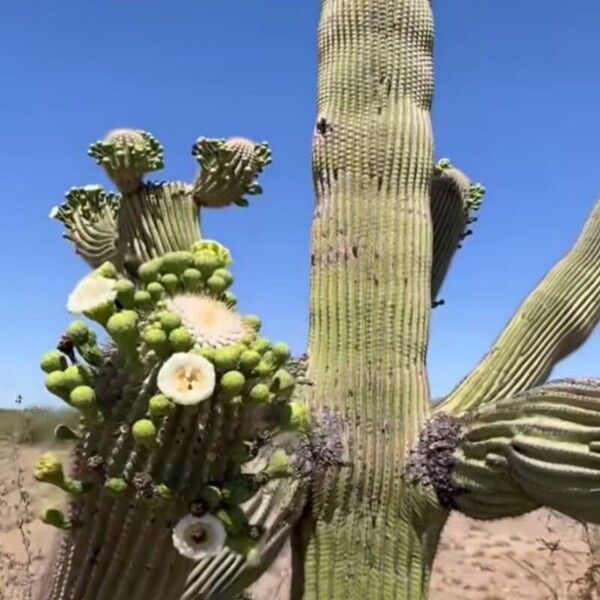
(541, 555)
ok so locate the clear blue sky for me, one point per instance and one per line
(516, 106)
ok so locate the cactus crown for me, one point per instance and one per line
(127, 155)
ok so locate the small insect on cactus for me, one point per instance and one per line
(189, 423)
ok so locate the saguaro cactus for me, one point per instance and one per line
(198, 455)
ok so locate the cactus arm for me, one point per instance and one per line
(89, 215)
(371, 295)
(538, 448)
(453, 199)
(554, 321)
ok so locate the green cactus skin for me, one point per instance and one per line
(553, 322)
(453, 199)
(229, 171)
(372, 535)
(536, 448)
(89, 215)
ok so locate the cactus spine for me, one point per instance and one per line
(196, 440)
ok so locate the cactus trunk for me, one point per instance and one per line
(371, 297)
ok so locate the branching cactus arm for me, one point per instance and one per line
(454, 199)
(538, 448)
(89, 215)
(554, 321)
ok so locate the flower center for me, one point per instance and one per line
(198, 534)
(188, 378)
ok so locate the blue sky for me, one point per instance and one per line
(516, 106)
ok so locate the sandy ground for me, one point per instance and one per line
(538, 556)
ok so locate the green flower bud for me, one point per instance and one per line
(249, 359)
(216, 285)
(229, 298)
(125, 292)
(56, 518)
(53, 361)
(56, 383)
(160, 406)
(156, 290)
(177, 262)
(232, 383)
(143, 300)
(211, 495)
(122, 327)
(280, 465)
(156, 339)
(92, 354)
(266, 366)
(261, 345)
(207, 353)
(281, 352)
(283, 383)
(161, 495)
(83, 398)
(260, 394)
(233, 518)
(225, 275)
(75, 376)
(115, 486)
(298, 417)
(170, 282)
(207, 261)
(108, 270)
(48, 469)
(169, 320)
(181, 340)
(226, 359)
(144, 432)
(79, 333)
(149, 270)
(192, 278)
(223, 255)
(253, 321)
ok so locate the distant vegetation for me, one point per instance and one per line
(34, 425)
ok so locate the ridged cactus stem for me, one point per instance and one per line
(554, 321)
(450, 207)
(536, 448)
(155, 219)
(371, 296)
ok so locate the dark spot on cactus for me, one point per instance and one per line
(431, 462)
(65, 345)
(198, 508)
(323, 126)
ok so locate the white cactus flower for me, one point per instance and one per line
(187, 378)
(212, 323)
(199, 537)
(91, 293)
